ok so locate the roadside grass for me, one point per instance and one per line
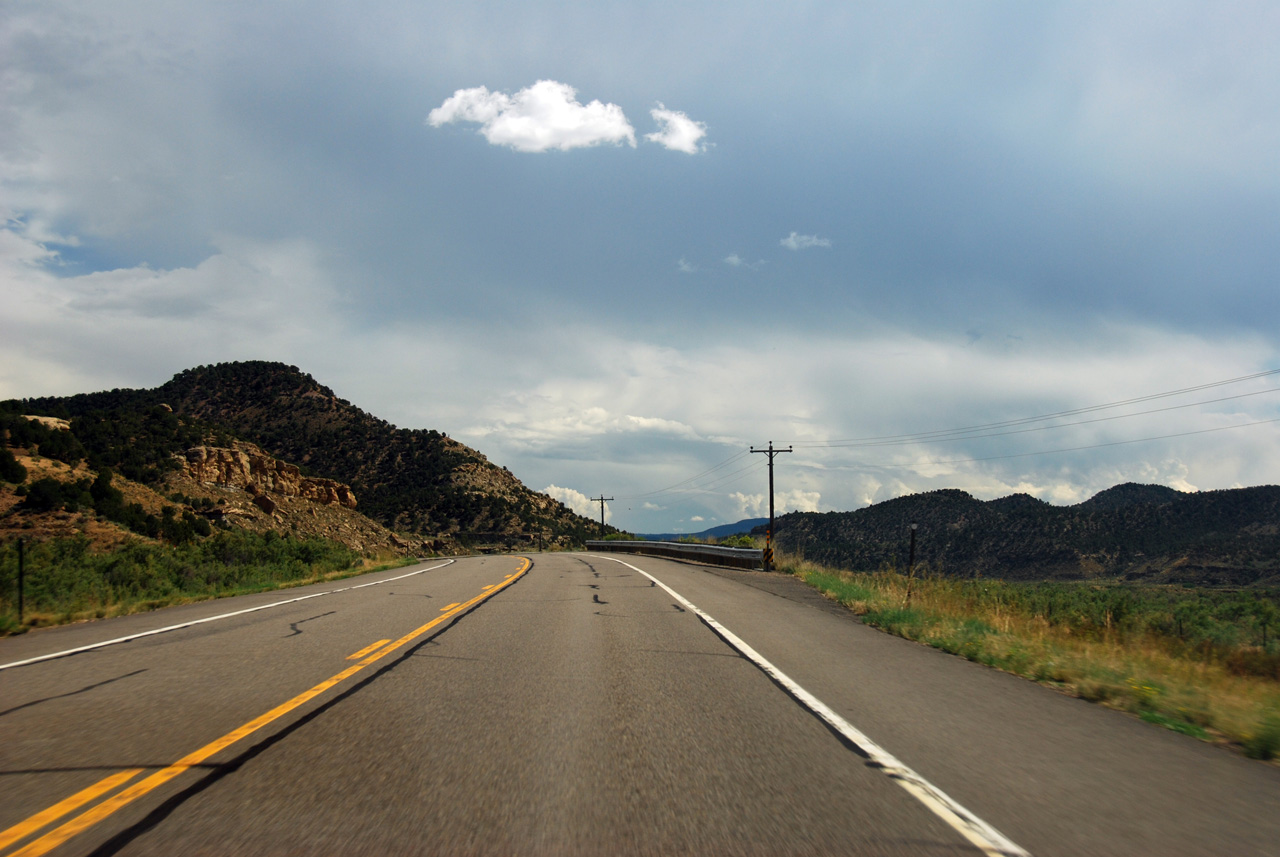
(66, 581)
(1218, 686)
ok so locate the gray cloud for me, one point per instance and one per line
(1033, 211)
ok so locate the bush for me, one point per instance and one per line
(11, 470)
(65, 577)
(49, 495)
(1265, 743)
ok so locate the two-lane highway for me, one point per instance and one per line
(577, 704)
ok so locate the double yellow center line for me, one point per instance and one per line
(369, 655)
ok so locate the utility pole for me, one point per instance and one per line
(601, 500)
(911, 561)
(911, 566)
(768, 534)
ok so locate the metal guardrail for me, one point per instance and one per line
(752, 558)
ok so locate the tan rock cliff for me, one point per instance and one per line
(250, 469)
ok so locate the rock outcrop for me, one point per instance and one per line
(250, 469)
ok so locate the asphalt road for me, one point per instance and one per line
(583, 706)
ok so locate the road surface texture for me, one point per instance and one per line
(577, 704)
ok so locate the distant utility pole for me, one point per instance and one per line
(601, 500)
(768, 534)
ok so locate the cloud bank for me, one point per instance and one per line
(579, 502)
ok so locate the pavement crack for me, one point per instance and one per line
(294, 625)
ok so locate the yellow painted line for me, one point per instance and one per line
(367, 649)
(449, 607)
(23, 829)
(490, 586)
(77, 825)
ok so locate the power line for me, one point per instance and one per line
(671, 488)
(939, 434)
(695, 485)
(723, 481)
(866, 444)
(1040, 452)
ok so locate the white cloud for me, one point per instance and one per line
(685, 267)
(697, 519)
(544, 116)
(733, 260)
(792, 500)
(750, 505)
(796, 500)
(796, 241)
(677, 131)
(579, 502)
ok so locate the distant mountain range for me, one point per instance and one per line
(1141, 533)
(410, 480)
(744, 526)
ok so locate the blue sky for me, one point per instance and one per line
(613, 248)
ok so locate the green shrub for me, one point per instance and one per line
(65, 577)
(1265, 743)
(11, 470)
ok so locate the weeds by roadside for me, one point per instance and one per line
(1203, 664)
(68, 582)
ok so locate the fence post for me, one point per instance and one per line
(21, 577)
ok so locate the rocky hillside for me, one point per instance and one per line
(209, 488)
(418, 481)
(1146, 533)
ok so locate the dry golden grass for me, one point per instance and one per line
(1146, 675)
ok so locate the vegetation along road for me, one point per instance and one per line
(571, 703)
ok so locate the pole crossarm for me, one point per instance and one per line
(768, 536)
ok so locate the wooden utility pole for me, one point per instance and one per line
(768, 535)
(601, 500)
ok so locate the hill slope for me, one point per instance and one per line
(408, 480)
(1146, 533)
(746, 525)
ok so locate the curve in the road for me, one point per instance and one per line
(121, 799)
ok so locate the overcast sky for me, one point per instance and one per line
(612, 246)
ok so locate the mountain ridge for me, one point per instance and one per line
(418, 481)
(1139, 533)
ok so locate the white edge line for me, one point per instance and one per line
(154, 631)
(984, 836)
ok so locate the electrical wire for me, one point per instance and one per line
(963, 432)
(672, 488)
(695, 485)
(932, 461)
(863, 445)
